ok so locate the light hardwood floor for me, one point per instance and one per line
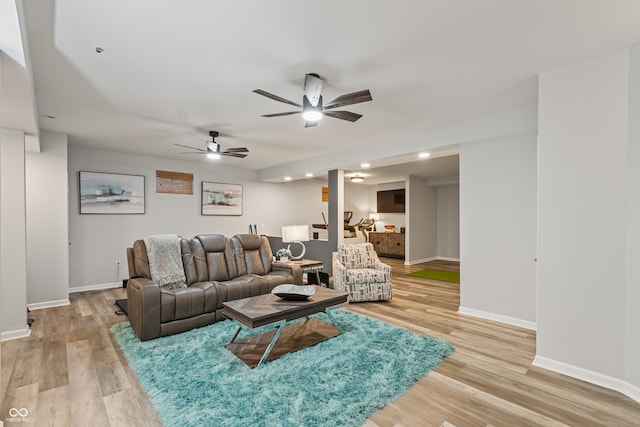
(69, 372)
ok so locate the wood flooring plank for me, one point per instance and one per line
(107, 364)
(26, 368)
(53, 366)
(23, 400)
(54, 407)
(9, 357)
(87, 405)
(124, 410)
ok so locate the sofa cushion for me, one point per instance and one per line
(188, 262)
(213, 257)
(275, 278)
(236, 288)
(140, 260)
(183, 303)
(252, 253)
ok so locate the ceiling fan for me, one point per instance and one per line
(213, 149)
(312, 108)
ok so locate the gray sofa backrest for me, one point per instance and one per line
(214, 258)
(252, 253)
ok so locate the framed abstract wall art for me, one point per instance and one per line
(221, 199)
(111, 193)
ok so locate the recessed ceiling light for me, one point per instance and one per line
(49, 116)
(287, 178)
(364, 165)
(99, 49)
(308, 175)
(423, 155)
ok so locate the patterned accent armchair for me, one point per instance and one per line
(358, 272)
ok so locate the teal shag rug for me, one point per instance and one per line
(193, 380)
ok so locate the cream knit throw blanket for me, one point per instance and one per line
(165, 260)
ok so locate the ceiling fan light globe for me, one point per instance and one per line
(312, 115)
(213, 156)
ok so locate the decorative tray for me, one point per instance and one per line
(294, 292)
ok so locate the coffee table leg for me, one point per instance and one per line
(235, 335)
(340, 331)
(281, 325)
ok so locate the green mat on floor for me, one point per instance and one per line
(432, 273)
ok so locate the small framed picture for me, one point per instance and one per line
(221, 199)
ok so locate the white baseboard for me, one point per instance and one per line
(98, 287)
(48, 304)
(631, 391)
(445, 258)
(14, 335)
(526, 324)
(590, 376)
(420, 261)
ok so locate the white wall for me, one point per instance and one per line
(98, 241)
(13, 280)
(422, 240)
(632, 317)
(498, 230)
(356, 199)
(448, 201)
(583, 125)
(47, 222)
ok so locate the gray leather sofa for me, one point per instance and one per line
(217, 269)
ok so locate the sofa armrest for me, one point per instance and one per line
(294, 270)
(144, 307)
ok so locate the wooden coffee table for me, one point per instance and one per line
(270, 309)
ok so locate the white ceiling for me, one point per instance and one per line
(172, 70)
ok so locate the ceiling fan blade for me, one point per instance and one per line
(226, 153)
(282, 114)
(190, 148)
(349, 99)
(237, 150)
(310, 124)
(276, 97)
(344, 115)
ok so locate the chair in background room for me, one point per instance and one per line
(358, 272)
